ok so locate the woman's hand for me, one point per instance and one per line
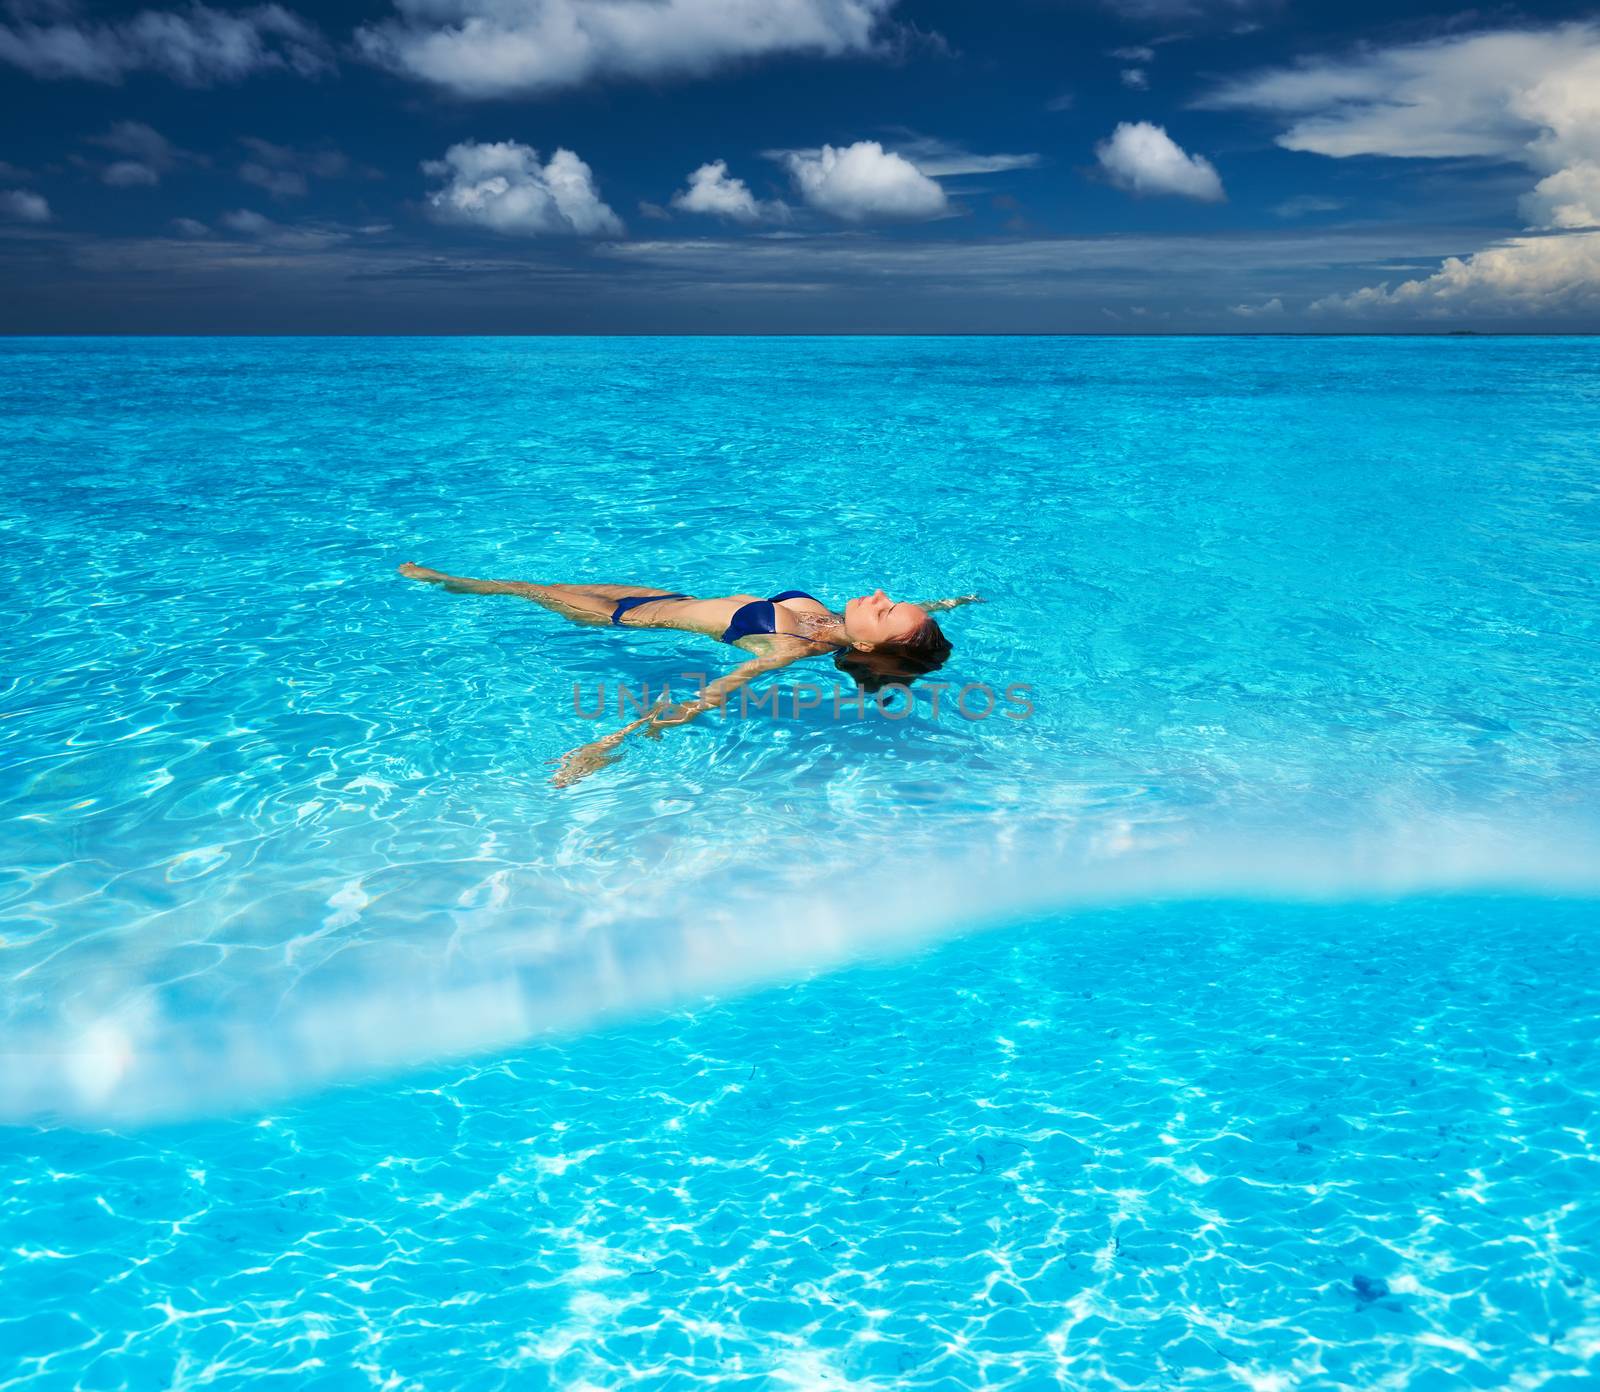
(577, 764)
(590, 758)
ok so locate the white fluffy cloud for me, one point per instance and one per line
(862, 182)
(1526, 95)
(712, 192)
(21, 205)
(1568, 198)
(1523, 275)
(1531, 94)
(485, 48)
(502, 186)
(197, 46)
(1142, 158)
(1267, 310)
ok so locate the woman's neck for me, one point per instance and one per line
(825, 629)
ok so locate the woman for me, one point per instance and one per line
(876, 639)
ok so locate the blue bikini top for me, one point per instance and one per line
(758, 616)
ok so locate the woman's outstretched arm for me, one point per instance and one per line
(590, 758)
(579, 763)
(938, 606)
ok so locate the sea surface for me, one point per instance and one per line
(1221, 1011)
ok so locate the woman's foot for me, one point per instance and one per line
(412, 571)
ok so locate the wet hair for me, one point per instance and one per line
(902, 662)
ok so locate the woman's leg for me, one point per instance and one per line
(583, 603)
(463, 584)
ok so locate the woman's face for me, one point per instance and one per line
(876, 619)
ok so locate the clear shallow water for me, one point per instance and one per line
(1137, 1149)
(1301, 619)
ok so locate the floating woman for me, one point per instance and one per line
(877, 640)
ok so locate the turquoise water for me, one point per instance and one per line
(338, 1041)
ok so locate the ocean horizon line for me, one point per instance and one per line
(848, 333)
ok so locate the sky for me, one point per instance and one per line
(798, 166)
